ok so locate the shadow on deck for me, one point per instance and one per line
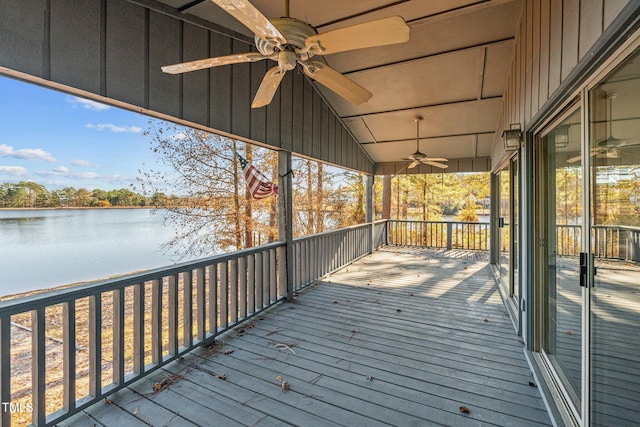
(402, 337)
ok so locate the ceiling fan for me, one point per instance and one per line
(289, 41)
(418, 157)
(608, 147)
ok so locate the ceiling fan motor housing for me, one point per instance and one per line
(293, 30)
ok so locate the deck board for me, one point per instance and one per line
(402, 337)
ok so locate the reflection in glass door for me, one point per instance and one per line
(508, 230)
(559, 233)
(504, 261)
(614, 175)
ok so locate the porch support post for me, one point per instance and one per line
(285, 217)
(369, 212)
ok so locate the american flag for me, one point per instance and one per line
(259, 186)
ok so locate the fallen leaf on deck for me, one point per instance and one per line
(285, 386)
(223, 377)
(410, 295)
(346, 300)
(486, 319)
(569, 332)
(279, 378)
(532, 384)
(369, 378)
(465, 410)
(398, 310)
(465, 267)
(107, 400)
(135, 411)
(251, 325)
(335, 302)
(228, 351)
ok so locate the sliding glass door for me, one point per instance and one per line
(614, 177)
(560, 232)
(588, 250)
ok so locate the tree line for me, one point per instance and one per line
(27, 194)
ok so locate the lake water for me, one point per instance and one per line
(40, 249)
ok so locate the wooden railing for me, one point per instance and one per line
(609, 241)
(320, 254)
(440, 234)
(64, 350)
(88, 341)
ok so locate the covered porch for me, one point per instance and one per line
(404, 336)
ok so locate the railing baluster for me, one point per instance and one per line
(251, 283)
(95, 345)
(156, 321)
(201, 304)
(138, 328)
(282, 270)
(69, 354)
(187, 309)
(224, 295)
(38, 366)
(273, 289)
(242, 287)
(118, 336)
(258, 281)
(173, 314)
(233, 290)
(213, 299)
(265, 278)
(5, 367)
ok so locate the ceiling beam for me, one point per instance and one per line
(416, 107)
(425, 138)
(431, 55)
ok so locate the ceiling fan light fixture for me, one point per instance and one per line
(561, 136)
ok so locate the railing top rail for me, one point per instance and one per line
(330, 232)
(618, 227)
(442, 222)
(57, 296)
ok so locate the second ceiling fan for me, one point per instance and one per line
(419, 157)
(290, 41)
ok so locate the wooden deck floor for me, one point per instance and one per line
(404, 337)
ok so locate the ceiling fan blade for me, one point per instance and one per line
(437, 159)
(381, 32)
(594, 152)
(436, 164)
(213, 62)
(574, 159)
(343, 86)
(414, 164)
(268, 87)
(253, 19)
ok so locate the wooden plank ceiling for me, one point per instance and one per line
(452, 71)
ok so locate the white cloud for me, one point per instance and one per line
(61, 170)
(180, 136)
(80, 162)
(14, 170)
(26, 153)
(114, 128)
(86, 104)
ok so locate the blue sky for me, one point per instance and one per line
(59, 140)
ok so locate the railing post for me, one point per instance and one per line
(369, 212)
(5, 367)
(285, 205)
(449, 235)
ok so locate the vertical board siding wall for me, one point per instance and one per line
(115, 48)
(552, 38)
